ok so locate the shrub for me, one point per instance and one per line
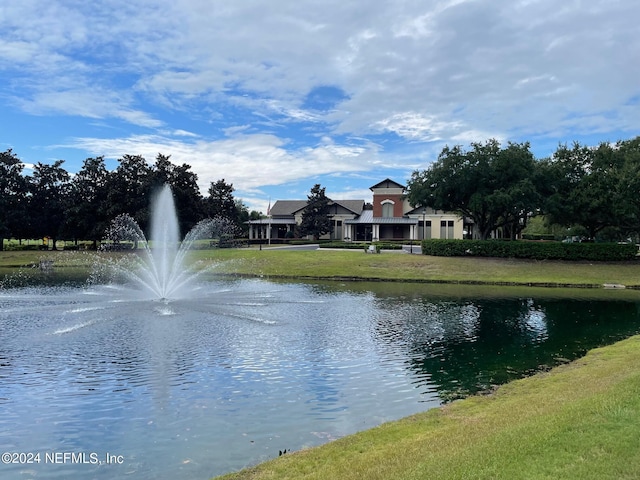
(538, 236)
(345, 245)
(536, 251)
(18, 247)
(362, 245)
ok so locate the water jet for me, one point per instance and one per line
(160, 271)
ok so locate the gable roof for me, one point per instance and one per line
(388, 183)
(287, 207)
(284, 208)
(355, 206)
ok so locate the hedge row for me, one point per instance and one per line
(536, 251)
(538, 236)
(360, 245)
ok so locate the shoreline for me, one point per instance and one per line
(339, 278)
(354, 266)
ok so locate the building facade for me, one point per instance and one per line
(388, 217)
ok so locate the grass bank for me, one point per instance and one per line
(393, 266)
(578, 421)
(406, 267)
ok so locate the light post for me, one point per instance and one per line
(424, 223)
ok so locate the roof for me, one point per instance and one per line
(287, 207)
(368, 218)
(272, 221)
(355, 206)
(388, 183)
(284, 208)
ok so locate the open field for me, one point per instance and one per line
(578, 421)
(341, 264)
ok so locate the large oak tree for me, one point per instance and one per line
(492, 186)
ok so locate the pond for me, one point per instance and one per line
(101, 385)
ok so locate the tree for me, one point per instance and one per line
(12, 195)
(243, 215)
(315, 216)
(586, 188)
(49, 199)
(128, 190)
(627, 162)
(220, 201)
(184, 186)
(88, 213)
(494, 187)
(519, 180)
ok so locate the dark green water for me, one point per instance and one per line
(468, 339)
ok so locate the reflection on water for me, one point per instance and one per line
(471, 345)
(195, 388)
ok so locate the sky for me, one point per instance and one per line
(277, 96)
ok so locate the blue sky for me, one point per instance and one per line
(277, 96)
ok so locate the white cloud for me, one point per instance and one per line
(222, 85)
(184, 133)
(399, 55)
(90, 103)
(414, 126)
(248, 161)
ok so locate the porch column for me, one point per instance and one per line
(375, 233)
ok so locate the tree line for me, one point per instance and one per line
(592, 192)
(50, 202)
(589, 191)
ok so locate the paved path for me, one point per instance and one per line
(415, 249)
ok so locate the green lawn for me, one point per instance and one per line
(355, 264)
(398, 266)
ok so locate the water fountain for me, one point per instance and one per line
(161, 271)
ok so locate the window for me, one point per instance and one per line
(387, 209)
(337, 230)
(446, 229)
(425, 229)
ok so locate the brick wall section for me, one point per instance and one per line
(377, 204)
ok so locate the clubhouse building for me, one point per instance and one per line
(388, 217)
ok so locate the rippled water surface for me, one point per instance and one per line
(198, 387)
